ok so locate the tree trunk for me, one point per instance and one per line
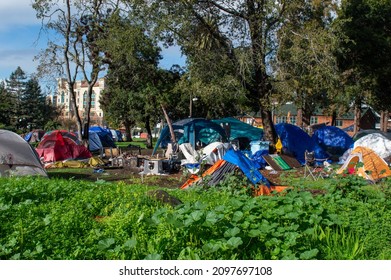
(149, 132)
(334, 118)
(128, 133)
(306, 119)
(169, 123)
(384, 121)
(299, 119)
(357, 115)
(268, 126)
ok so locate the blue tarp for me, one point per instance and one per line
(246, 165)
(333, 140)
(104, 136)
(241, 129)
(192, 130)
(94, 143)
(27, 137)
(296, 142)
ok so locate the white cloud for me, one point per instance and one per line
(16, 13)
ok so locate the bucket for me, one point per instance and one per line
(259, 145)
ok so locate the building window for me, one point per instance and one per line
(62, 97)
(85, 99)
(93, 100)
(292, 120)
(314, 120)
(339, 123)
(55, 100)
(281, 119)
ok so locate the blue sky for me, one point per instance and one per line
(20, 41)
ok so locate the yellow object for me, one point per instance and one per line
(278, 146)
(96, 161)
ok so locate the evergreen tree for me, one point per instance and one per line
(16, 86)
(35, 111)
(5, 106)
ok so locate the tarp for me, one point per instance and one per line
(296, 142)
(237, 129)
(246, 165)
(365, 132)
(105, 136)
(333, 140)
(58, 145)
(194, 131)
(232, 159)
(372, 166)
(94, 143)
(17, 157)
(116, 135)
(377, 142)
(216, 173)
(34, 135)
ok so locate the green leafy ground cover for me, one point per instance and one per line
(76, 219)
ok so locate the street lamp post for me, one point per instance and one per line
(192, 99)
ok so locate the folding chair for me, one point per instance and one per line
(314, 167)
(309, 165)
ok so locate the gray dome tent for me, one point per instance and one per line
(17, 157)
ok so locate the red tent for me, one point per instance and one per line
(60, 145)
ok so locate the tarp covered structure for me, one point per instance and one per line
(105, 136)
(296, 142)
(60, 145)
(377, 142)
(17, 157)
(366, 163)
(333, 140)
(194, 131)
(237, 129)
(231, 160)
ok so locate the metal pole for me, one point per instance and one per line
(191, 106)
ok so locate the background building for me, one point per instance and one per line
(287, 113)
(62, 99)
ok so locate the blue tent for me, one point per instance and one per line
(246, 165)
(239, 129)
(94, 142)
(192, 130)
(333, 140)
(296, 142)
(104, 136)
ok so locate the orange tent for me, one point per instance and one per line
(366, 163)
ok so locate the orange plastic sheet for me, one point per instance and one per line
(194, 178)
(265, 190)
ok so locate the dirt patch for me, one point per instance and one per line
(279, 177)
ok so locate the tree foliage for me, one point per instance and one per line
(236, 30)
(75, 51)
(365, 54)
(306, 65)
(132, 57)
